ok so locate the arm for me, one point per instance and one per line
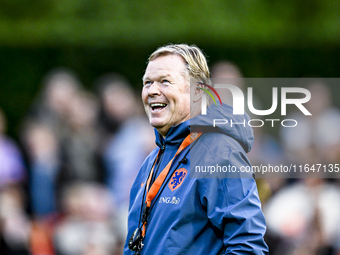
(234, 209)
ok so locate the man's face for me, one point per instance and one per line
(166, 92)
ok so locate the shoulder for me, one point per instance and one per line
(219, 153)
(218, 146)
(152, 155)
(215, 140)
(145, 168)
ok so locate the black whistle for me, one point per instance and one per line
(135, 240)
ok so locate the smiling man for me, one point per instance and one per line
(171, 213)
(166, 92)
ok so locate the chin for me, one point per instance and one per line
(157, 125)
(157, 122)
(161, 127)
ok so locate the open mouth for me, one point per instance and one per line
(157, 106)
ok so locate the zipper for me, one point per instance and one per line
(153, 178)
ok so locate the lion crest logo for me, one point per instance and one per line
(177, 178)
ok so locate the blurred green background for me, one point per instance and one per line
(265, 38)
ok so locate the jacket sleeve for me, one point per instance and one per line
(234, 209)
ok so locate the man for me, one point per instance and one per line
(171, 213)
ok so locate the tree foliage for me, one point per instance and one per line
(107, 23)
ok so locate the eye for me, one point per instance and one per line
(146, 83)
(165, 81)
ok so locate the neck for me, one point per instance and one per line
(174, 134)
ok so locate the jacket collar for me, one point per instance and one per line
(175, 135)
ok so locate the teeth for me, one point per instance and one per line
(158, 105)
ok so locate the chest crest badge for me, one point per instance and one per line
(177, 178)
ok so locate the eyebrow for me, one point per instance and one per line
(161, 77)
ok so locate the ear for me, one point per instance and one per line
(197, 93)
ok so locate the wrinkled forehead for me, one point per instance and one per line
(165, 66)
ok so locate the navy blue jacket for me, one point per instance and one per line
(195, 215)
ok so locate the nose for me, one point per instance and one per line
(154, 89)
